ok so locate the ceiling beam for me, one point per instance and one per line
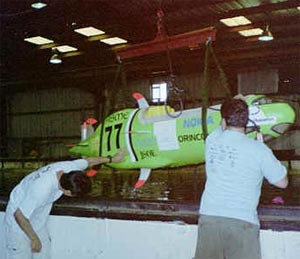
(165, 43)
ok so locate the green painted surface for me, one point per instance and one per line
(153, 139)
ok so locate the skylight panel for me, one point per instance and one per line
(66, 48)
(251, 32)
(89, 31)
(38, 40)
(113, 41)
(236, 21)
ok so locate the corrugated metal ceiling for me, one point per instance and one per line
(136, 21)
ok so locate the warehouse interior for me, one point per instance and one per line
(43, 104)
(66, 62)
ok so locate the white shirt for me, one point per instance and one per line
(35, 194)
(235, 168)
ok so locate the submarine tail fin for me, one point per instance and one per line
(144, 175)
(87, 128)
(142, 102)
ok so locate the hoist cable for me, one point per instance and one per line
(223, 78)
(171, 87)
(204, 92)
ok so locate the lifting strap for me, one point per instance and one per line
(117, 74)
(116, 79)
(205, 93)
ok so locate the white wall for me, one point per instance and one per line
(90, 238)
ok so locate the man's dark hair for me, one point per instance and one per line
(235, 112)
(77, 182)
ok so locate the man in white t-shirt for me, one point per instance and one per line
(235, 168)
(31, 201)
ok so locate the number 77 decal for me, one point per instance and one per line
(109, 129)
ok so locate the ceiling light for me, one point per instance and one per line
(113, 41)
(89, 31)
(266, 35)
(235, 21)
(38, 5)
(65, 48)
(38, 40)
(56, 57)
(251, 32)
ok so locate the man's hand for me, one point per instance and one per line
(36, 245)
(119, 157)
(240, 97)
(25, 225)
(259, 137)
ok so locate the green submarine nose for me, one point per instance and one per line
(81, 148)
(86, 147)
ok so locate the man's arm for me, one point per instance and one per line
(92, 161)
(25, 225)
(283, 183)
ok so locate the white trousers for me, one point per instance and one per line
(18, 245)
